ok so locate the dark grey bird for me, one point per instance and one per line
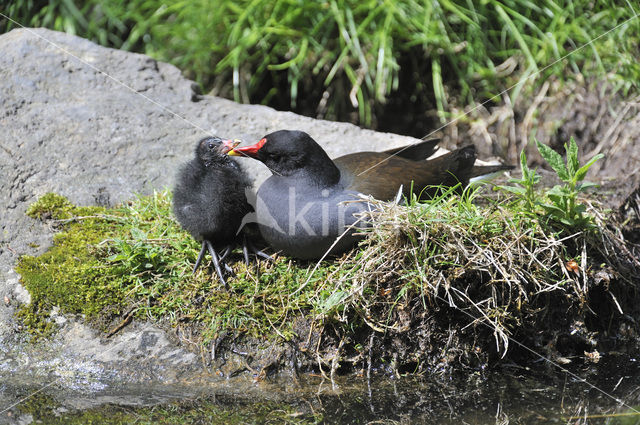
(310, 200)
(209, 201)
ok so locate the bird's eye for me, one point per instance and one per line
(210, 145)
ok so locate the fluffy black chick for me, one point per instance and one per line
(209, 201)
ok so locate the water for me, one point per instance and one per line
(511, 395)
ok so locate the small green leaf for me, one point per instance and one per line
(555, 161)
(138, 234)
(567, 221)
(533, 178)
(514, 189)
(586, 185)
(582, 171)
(116, 257)
(523, 163)
(553, 209)
(558, 190)
(335, 299)
(572, 157)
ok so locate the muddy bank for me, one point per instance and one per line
(600, 118)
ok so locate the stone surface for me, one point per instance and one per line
(99, 125)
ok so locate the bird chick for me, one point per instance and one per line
(209, 201)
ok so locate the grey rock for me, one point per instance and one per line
(99, 125)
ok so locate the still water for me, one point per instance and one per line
(539, 394)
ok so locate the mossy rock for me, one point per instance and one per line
(389, 301)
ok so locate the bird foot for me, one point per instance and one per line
(218, 261)
(248, 246)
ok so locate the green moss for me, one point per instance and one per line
(107, 262)
(135, 259)
(44, 409)
(71, 274)
(51, 205)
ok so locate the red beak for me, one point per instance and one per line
(250, 151)
(227, 146)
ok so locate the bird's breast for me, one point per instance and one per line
(305, 221)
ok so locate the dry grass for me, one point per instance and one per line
(438, 278)
(601, 117)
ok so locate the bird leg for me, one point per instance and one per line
(199, 260)
(245, 249)
(224, 255)
(226, 252)
(247, 246)
(218, 260)
(216, 263)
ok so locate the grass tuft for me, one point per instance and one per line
(346, 59)
(450, 280)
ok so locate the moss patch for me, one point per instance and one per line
(221, 410)
(434, 285)
(135, 259)
(70, 274)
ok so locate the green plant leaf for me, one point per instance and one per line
(116, 257)
(580, 209)
(586, 185)
(138, 234)
(554, 159)
(560, 191)
(514, 189)
(335, 299)
(523, 165)
(572, 157)
(582, 171)
(553, 210)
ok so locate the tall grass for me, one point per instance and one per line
(343, 59)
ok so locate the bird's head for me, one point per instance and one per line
(212, 150)
(291, 153)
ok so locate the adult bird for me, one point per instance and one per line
(311, 200)
(209, 201)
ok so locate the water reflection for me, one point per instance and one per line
(510, 395)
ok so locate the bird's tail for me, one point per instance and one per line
(417, 151)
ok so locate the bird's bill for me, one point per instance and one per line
(251, 151)
(228, 145)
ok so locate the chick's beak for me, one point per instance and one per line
(228, 145)
(250, 151)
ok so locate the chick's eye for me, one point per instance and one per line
(210, 145)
